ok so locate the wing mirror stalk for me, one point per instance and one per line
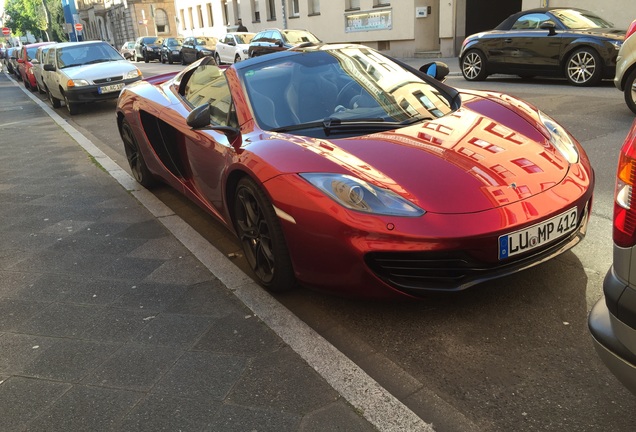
(199, 119)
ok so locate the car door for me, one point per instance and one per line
(50, 76)
(208, 152)
(226, 49)
(529, 49)
(187, 50)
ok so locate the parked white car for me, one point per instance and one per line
(37, 68)
(232, 47)
(84, 72)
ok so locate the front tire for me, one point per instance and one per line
(261, 236)
(146, 59)
(237, 58)
(630, 91)
(71, 107)
(136, 161)
(217, 59)
(473, 66)
(583, 67)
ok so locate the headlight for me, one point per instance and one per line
(206, 52)
(76, 83)
(132, 74)
(356, 194)
(245, 51)
(560, 139)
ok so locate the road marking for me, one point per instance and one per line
(370, 399)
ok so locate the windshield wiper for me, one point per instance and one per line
(333, 123)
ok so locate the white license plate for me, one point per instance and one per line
(537, 235)
(110, 88)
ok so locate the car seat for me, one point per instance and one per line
(310, 95)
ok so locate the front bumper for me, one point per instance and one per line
(91, 93)
(610, 334)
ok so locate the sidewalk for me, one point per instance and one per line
(109, 322)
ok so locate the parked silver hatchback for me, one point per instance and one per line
(625, 79)
(83, 72)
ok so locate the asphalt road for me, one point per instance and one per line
(514, 354)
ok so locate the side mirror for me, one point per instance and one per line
(278, 43)
(199, 118)
(20, 60)
(437, 70)
(49, 67)
(550, 26)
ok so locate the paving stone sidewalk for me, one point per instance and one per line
(108, 323)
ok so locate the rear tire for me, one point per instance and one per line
(473, 66)
(136, 161)
(55, 102)
(261, 236)
(630, 91)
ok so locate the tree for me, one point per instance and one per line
(42, 18)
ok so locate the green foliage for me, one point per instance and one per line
(43, 18)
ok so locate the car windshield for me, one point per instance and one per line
(300, 36)
(77, 55)
(343, 87)
(580, 19)
(174, 42)
(31, 52)
(244, 38)
(208, 41)
(150, 40)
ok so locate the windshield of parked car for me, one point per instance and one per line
(174, 42)
(207, 41)
(341, 87)
(31, 53)
(150, 40)
(300, 36)
(81, 54)
(580, 19)
(243, 38)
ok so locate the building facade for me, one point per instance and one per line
(402, 28)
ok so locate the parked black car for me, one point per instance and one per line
(194, 48)
(148, 48)
(574, 43)
(612, 320)
(171, 50)
(272, 40)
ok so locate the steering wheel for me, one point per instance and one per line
(342, 100)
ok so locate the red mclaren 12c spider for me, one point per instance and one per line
(345, 170)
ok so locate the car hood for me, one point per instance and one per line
(489, 153)
(614, 34)
(99, 70)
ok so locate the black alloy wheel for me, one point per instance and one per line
(630, 91)
(138, 166)
(262, 237)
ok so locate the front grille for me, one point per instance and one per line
(109, 80)
(417, 273)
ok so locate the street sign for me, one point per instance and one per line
(79, 27)
(6, 31)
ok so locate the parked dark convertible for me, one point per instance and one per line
(571, 43)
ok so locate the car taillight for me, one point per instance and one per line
(631, 29)
(624, 197)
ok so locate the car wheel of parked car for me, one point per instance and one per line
(583, 67)
(237, 58)
(40, 89)
(261, 236)
(162, 59)
(630, 91)
(55, 102)
(27, 85)
(183, 62)
(146, 59)
(170, 61)
(217, 58)
(474, 66)
(138, 166)
(71, 107)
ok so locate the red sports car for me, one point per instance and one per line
(343, 169)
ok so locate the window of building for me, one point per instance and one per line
(378, 3)
(352, 5)
(183, 23)
(314, 7)
(271, 10)
(161, 21)
(210, 15)
(200, 16)
(294, 8)
(190, 16)
(225, 12)
(256, 13)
